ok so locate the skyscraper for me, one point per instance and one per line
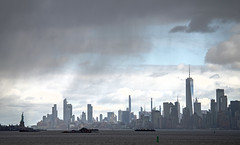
(213, 113)
(67, 112)
(54, 116)
(151, 104)
(156, 119)
(125, 117)
(197, 108)
(119, 115)
(223, 103)
(129, 104)
(54, 111)
(219, 94)
(111, 117)
(167, 109)
(189, 93)
(90, 113)
(84, 117)
(177, 104)
(101, 117)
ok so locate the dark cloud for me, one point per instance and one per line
(206, 16)
(43, 36)
(195, 26)
(179, 29)
(215, 76)
(226, 53)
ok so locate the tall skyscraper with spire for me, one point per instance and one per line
(189, 93)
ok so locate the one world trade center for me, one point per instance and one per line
(189, 93)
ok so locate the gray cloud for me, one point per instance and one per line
(195, 26)
(156, 74)
(215, 76)
(226, 53)
(42, 36)
(206, 16)
(179, 29)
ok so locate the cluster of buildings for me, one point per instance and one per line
(220, 115)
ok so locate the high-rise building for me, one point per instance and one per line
(151, 104)
(90, 113)
(223, 103)
(101, 117)
(213, 114)
(167, 109)
(129, 104)
(235, 114)
(69, 106)
(197, 108)
(125, 117)
(54, 111)
(119, 115)
(235, 107)
(84, 119)
(67, 112)
(96, 119)
(177, 104)
(189, 93)
(110, 116)
(73, 118)
(219, 94)
(174, 117)
(156, 119)
(54, 116)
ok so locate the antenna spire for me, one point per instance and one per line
(189, 70)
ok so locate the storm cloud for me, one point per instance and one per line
(43, 36)
(226, 53)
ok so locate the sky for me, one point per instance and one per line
(100, 51)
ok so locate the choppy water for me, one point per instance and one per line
(166, 137)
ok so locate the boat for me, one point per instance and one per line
(144, 130)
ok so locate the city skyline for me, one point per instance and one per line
(99, 52)
(226, 117)
(147, 106)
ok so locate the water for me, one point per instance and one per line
(128, 137)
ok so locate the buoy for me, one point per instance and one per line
(157, 140)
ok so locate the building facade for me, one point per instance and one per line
(67, 112)
(90, 113)
(219, 94)
(189, 94)
(197, 108)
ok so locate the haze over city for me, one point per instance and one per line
(100, 52)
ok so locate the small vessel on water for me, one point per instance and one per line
(144, 130)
